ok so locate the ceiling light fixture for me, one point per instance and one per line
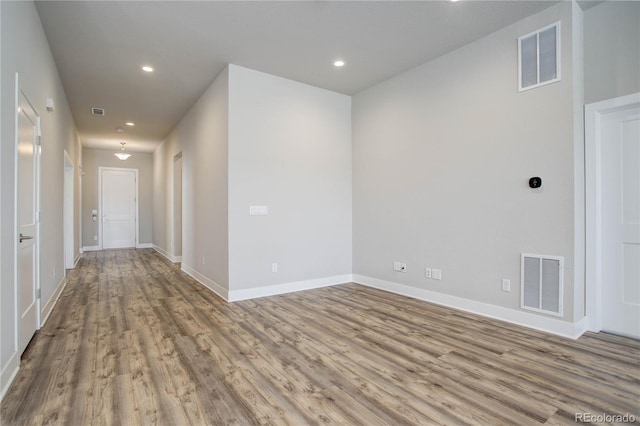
(147, 68)
(122, 155)
(339, 63)
(130, 123)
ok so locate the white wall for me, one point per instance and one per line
(257, 139)
(289, 149)
(611, 50)
(442, 158)
(93, 159)
(201, 136)
(25, 50)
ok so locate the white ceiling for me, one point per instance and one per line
(99, 47)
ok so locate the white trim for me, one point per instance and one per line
(48, 307)
(9, 373)
(206, 282)
(144, 245)
(77, 259)
(68, 211)
(137, 202)
(593, 239)
(169, 256)
(525, 319)
(558, 57)
(91, 248)
(272, 290)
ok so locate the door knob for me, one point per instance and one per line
(25, 237)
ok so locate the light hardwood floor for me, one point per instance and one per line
(133, 340)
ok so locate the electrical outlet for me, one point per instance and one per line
(95, 238)
(437, 274)
(397, 266)
(54, 272)
(506, 284)
(203, 262)
(403, 267)
(427, 272)
(274, 267)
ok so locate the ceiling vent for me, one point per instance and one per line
(97, 111)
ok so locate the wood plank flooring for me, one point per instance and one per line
(133, 340)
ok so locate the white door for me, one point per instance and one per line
(620, 198)
(118, 195)
(67, 214)
(27, 205)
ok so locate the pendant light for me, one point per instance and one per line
(122, 155)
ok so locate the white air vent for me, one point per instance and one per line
(97, 111)
(539, 57)
(541, 283)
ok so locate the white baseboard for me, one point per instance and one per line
(48, 307)
(172, 258)
(91, 248)
(9, 372)
(206, 282)
(77, 259)
(144, 245)
(272, 290)
(526, 319)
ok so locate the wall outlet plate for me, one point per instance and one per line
(427, 272)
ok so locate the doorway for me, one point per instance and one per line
(118, 205)
(177, 207)
(27, 220)
(67, 213)
(612, 147)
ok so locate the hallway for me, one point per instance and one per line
(133, 340)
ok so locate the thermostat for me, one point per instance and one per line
(535, 182)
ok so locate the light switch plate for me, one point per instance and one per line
(437, 274)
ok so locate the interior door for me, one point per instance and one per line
(27, 205)
(118, 208)
(620, 186)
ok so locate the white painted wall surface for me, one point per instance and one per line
(442, 158)
(202, 137)
(94, 159)
(289, 149)
(611, 50)
(24, 49)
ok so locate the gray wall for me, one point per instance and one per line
(611, 50)
(201, 136)
(289, 149)
(442, 157)
(93, 159)
(24, 49)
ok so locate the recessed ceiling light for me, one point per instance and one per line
(130, 123)
(339, 63)
(147, 68)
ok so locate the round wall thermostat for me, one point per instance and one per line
(535, 182)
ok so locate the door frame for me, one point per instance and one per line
(593, 196)
(177, 207)
(68, 213)
(100, 171)
(36, 190)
